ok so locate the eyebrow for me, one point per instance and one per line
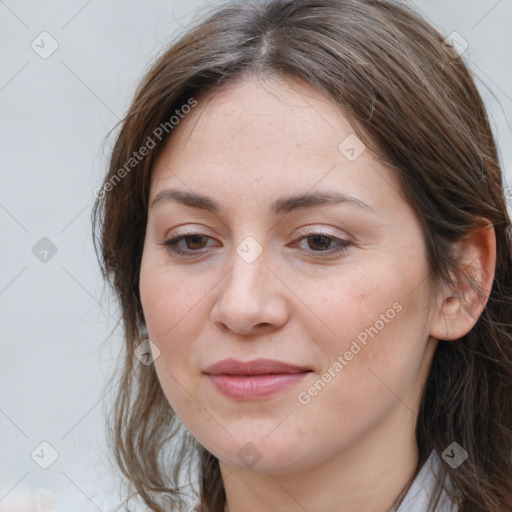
(281, 205)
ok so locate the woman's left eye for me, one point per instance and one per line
(324, 240)
(317, 242)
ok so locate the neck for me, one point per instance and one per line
(369, 476)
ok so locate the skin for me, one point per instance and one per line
(352, 446)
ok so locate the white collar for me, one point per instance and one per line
(418, 496)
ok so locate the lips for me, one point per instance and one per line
(255, 367)
(256, 379)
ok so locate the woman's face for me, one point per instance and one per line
(338, 287)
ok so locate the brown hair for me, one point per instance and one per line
(414, 105)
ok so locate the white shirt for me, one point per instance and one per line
(418, 496)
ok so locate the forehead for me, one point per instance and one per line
(268, 135)
(253, 110)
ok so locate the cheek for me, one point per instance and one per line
(361, 383)
(373, 324)
(171, 303)
(371, 366)
(176, 304)
(169, 313)
(171, 299)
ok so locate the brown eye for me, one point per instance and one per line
(192, 244)
(319, 242)
(324, 243)
(195, 241)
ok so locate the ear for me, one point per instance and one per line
(457, 310)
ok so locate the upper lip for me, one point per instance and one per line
(255, 367)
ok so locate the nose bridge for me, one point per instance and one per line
(246, 300)
(248, 264)
(250, 250)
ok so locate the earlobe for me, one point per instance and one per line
(459, 307)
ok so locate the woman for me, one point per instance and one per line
(313, 183)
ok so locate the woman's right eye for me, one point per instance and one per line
(191, 242)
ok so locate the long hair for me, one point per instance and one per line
(416, 107)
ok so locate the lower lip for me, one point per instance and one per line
(254, 386)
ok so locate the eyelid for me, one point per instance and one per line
(314, 229)
(187, 229)
(309, 230)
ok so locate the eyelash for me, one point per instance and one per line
(172, 246)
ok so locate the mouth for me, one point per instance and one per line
(254, 367)
(254, 379)
(252, 387)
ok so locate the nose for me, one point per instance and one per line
(252, 297)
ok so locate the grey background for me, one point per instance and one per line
(55, 323)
